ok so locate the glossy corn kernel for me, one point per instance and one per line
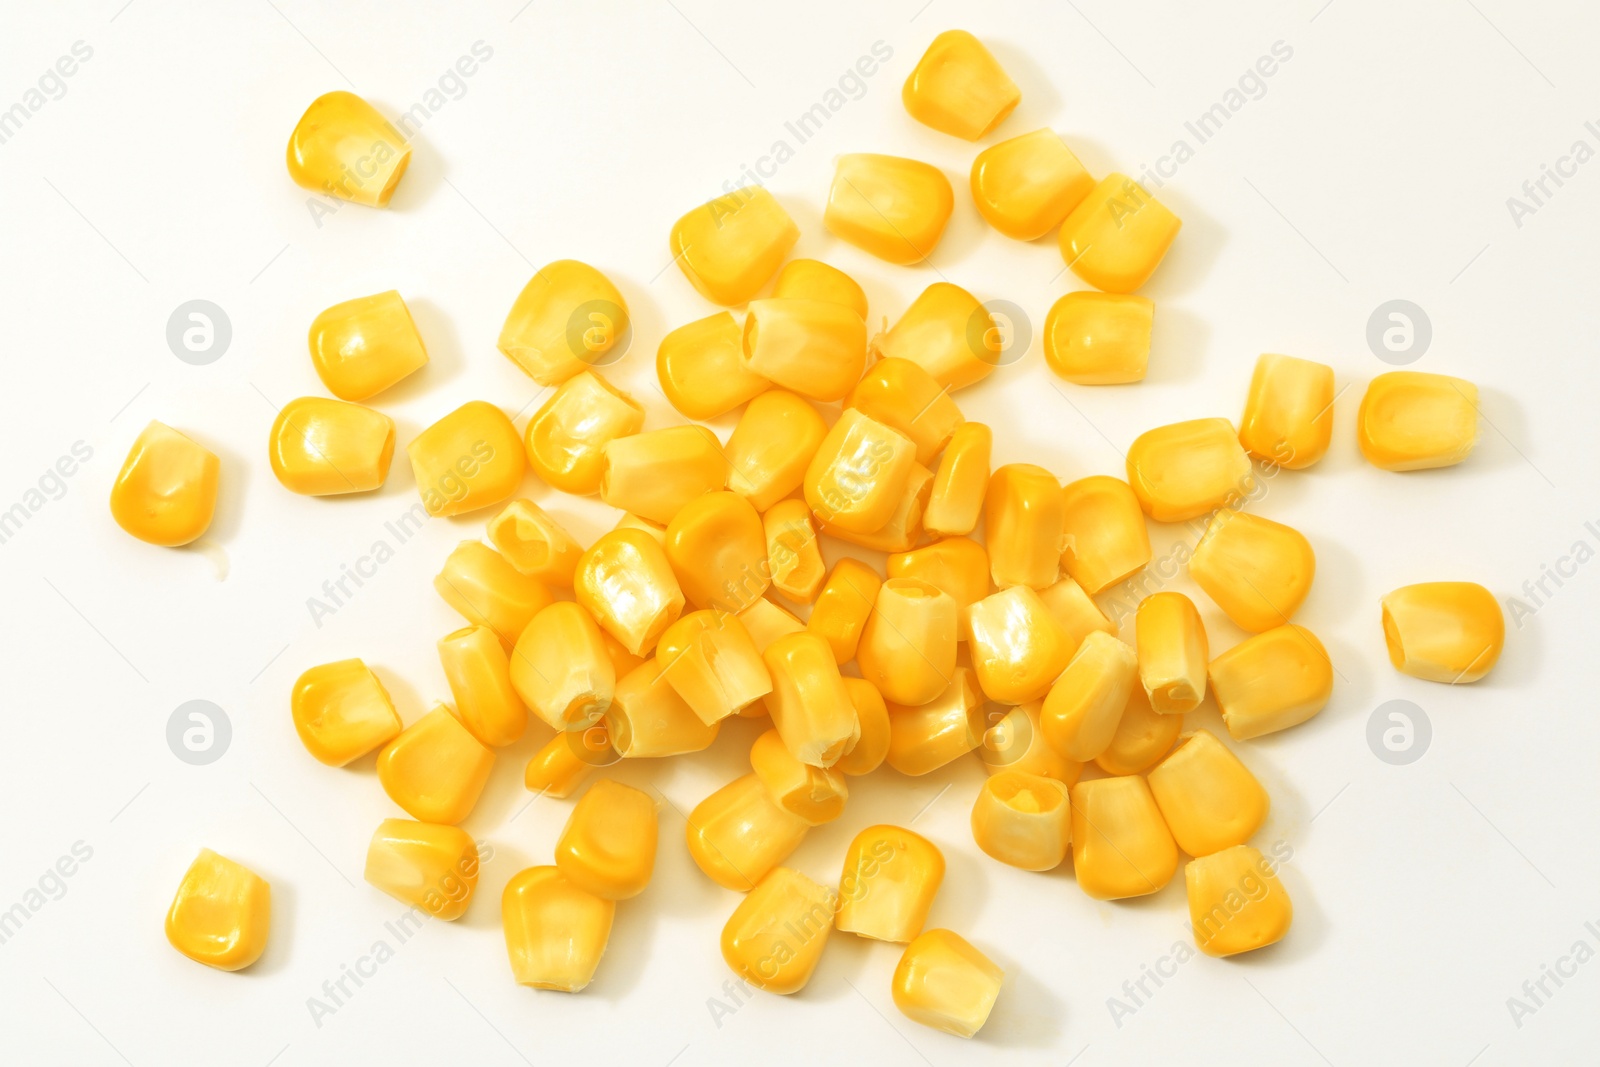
(1018, 648)
(1258, 571)
(793, 557)
(843, 607)
(1103, 533)
(1142, 738)
(890, 878)
(479, 674)
(656, 531)
(341, 712)
(718, 549)
(701, 367)
(343, 147)
(1024, 521)
(1076, 611)
(561, 668)
(648, 719)
(1099, 338)
(908, 647)
(534, 543)
(809, 279)
(771, 447)
(872, 744)
(470, 459)
(555, 932)
(731, 246)
(943, 982)
(608, 846)
(858, 476)
(1187, 469)
(957, 565)
(626, 582)
(1120, 845)
(322, 447)
(435, 770)
(1026, 186)
(1277, 679)
(809, 704)
(738, 834)
(1023, 820)
(959, 88)
(894, 208)
(1288, 414)
(776, 935)
(710, 660)
(816, 348)
(221, 914)
(363, 346)
(565, 761)
(1117, 236)
(654, 474)
(815, 794)
(1236, 902)
(487, 590)
(622, 661)
(567, 437)
(1210, 800)
(1410, 421)
(904, 528)
(766, 622)
(1080, 716)
(1443, 631)
(928, 736)
(1173, 653)
(961, 482)
(901, 395)
(166, 492)
(564, 321)
(1015, 741)
(946, 332)
(423, 864)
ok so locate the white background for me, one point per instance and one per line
(1376, 166)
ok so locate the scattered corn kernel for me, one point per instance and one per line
(718, 550)
(1026, 186)
(872, 745)
(423, 864)
(564, 763)
(487, 590)
(843, 606)
(858, 476)
(957, 565)
(341, 712)
(894, 208)
(1024, 520)
(702, 370)
(1411, 421)
(908, 647)
(1023, 820)
(793, 557)
(1443, 631)
(435, 770)
(656, 531)
(776, 935)
(166, 492)
(322, 447)
(1016, 742)
(1076, 611)
(1288, 414)
(815, 794)
(1018, 648)
(766, 622)
(626, 582)
(1236, 902)
(608, 846)
(738, 834)
(221, 914)
(1117, 235)
(343, 147)
(535, 543)
(809, 703)
(959, 88)
(809, 279)
(709, 658)
(1208, 798)
(1120, 845)
(928, 736)
(1173, 652)
(961, 482)
(946, 332)
(555, 932)
(564, 321)
(890, 878)
(901, 395)
(943, 982)
(1081, 714)
(904, 527)
(1277, 679)
(655, 474)
(1186, 469)
(561, 668)
(1099, 338)
(1103, 533)
(363, 346)
(648, 719)
(1143, 736)
(816, 348)
(731, 246)
(567, 437)
(479, 674)
(1258, 571)
(771, 447)
(470, 459)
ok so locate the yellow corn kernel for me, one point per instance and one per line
(1018, 647)
(435, 770)
(654, 474)
(343, 147)
(1077, 613)
(890, 878)
(423, 864)
(166, 492)
(487, 590)
(872, 745)
(902, 396)
(479, 674)
(1443, 631)
(1120, 845)
(710, 660)
(1258, 571)
(815, 794)
(555, 931)
(1186, 469)
(793, 557)
(904, 527)
(322, 447)
(535, 543)
(957, 565)
(894, 208)
(567, 436)
(809, 703)
(718, 549)
(363, 346)
(341, 712)
(1081, 714)
(1024, 820)
(1103, 533)
(809, 279)
(1016, 742)
(1236, 902)
(858, 476)
(943, 982)
(946, 332)
(1117, 236)
(626, 582)
(843, 606)
(608, 846)
(701, 368)
(564, 321)
(959, 88)
(1024, 520)
(731, 246)
(622, 661)
(1288, 415)
(1099, 338)
(908, 647)
(776, 935)
(766, 622)
(1143, 736)
(470, 459)
(816, 348)
(771, 447)
(1026, 186)
(648, 719)
(737, 834)
(1173, 652)
(221, 914)
(928, 736)
(561, 668)
(564, 763)
(1277, 679)
(960, 483)
(1410, 421)
(1208, 798)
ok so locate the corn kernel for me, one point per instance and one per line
(776, 935)
(1026, 186)
(701, 368)
(843, 606)
(815, 794)
(1443, 631)
(622, 661)
(1120, 845)
(1117, 235)
(1095, 338)
(488, 591)
(567, 436)
(166, 492)
(809, 279)
(908, 647)
(470, 459)
(1411, 421)
(957, 565)
(710, 660)
(771, 447)
(608, 846)
(648, 719)
(1172, 653)
(904, 528)
(872, 746)
(363, 346)
(221, 914)
(894, 208)
(1208, 798)
(535, 543)
(322, 447)
(943, 982)
(1186, 469)
(766, 622)
(1277, 679)
(1236, 902)
(731, 246)
(858, 476)
(1018, 648)
(928, 736)
(555, 932)
(435, 770)
(479, 674)
(1077, 613)
(561, 668)
(1288, 414)
(959, 88)
(656, 531)
(1015, 741)
(793, 557)
(738, 834)
(1023, 820)
(816, 348)
(1143, 736)
(564, 321)
(809, 703)
(1081, 714)
(426, 865)
(946, 332)
(1258, 571)
(1103, 533)
(626, 582)
(341, 712)
(718, 550)
(343, 147)
(901, 395)
(655, 474)
(1024, 520)
(960, 483)
(565, 761)
(890, 878)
